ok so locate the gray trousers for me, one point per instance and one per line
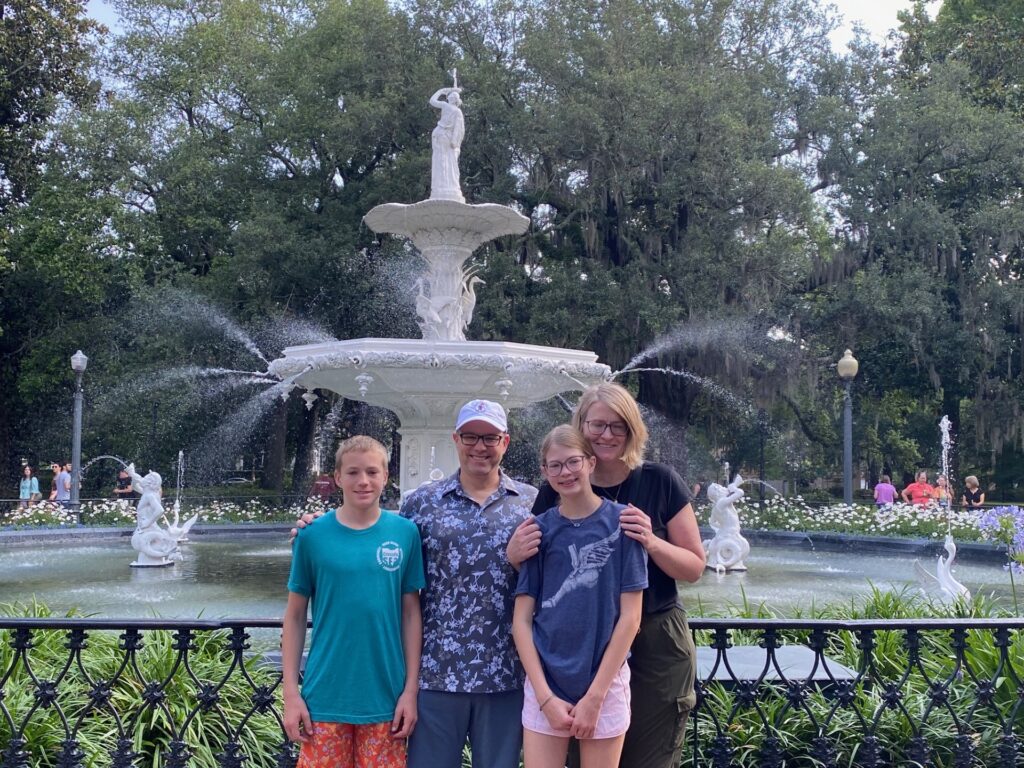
(491, 722)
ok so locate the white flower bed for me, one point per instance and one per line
(122, 513)
(794, 514)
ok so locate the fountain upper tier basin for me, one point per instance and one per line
(423, 380)
(447, 222)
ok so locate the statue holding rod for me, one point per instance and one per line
(446, 141)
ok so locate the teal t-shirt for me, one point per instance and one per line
(355, 580)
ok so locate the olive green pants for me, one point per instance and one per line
(662, 667)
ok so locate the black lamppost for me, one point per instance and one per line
(847, 367)
(78, 363)
(762, 429)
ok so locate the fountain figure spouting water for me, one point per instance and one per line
(425, 381)
(157, 547)
(727, 549)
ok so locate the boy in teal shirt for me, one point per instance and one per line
(361, 568)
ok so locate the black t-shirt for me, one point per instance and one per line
(973, 497)
(660, 493)
(123, 485)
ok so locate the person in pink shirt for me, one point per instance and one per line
(919, 493)
(885, 492)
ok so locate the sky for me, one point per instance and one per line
(877, 16)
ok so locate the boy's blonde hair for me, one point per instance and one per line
(971, 481)
(566, 436)
(616, 397)
(360, 444)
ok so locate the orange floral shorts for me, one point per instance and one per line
(343, 745)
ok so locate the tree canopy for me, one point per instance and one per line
(706, 180)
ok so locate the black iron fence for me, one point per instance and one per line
(127, 693)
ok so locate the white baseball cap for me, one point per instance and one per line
(483, 410)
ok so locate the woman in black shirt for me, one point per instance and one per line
(660, 517)
(973, 496)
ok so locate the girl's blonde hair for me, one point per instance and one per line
(360, 444)
(616, 397)
(971, 481)
(565, 436)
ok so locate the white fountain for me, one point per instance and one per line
(425, 381)
(157, 547)
(727, 549)
(944, 584)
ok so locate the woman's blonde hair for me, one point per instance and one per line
(566, 436)
(360, 444)
(616, 397)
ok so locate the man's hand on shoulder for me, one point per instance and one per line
(302, 522)
(524, 544)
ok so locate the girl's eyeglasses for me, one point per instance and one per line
(554, 468)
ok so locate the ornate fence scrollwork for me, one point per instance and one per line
(770, 693)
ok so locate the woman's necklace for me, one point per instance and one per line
(606, 493)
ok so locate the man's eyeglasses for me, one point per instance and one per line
(597, 428)
(554, 468)
(468, 438)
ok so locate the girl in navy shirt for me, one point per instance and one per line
(578, 606)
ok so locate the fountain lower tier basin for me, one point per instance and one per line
(426, 382)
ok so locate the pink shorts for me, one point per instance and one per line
(611, 722)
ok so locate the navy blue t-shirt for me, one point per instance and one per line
(577, 578)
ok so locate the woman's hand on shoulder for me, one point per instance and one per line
(636, 524)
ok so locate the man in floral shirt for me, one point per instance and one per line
(471, 684)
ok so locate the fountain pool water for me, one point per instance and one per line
(245, 577)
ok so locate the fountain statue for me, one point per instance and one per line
(425, 381)
(727, 549)
(446, 142)
(157, 547)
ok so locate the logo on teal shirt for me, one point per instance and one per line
(389, 556)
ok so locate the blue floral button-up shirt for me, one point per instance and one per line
(469, 596)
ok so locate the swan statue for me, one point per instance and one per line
(943, 584)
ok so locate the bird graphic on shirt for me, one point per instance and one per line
(587, 562)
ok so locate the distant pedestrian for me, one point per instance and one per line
(919, 493)
(941, 494)
(55, 473)
(123, 486)
(63, 496)
(885, 492)
(973, 496)
(28, 488)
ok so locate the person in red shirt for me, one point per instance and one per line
(919, 493)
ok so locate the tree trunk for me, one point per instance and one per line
(304, 471)
(273, 465)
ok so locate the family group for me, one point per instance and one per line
(922, 493)
(543, 624)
